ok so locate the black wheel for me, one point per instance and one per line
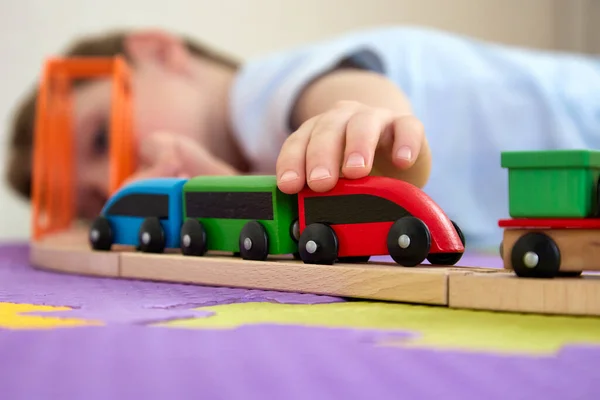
(254, 243)
(151, 236)
(501, 249)
(193, 238)
(295, 230)
(318, 244)
(101, 235)
(295, 234)
(409, 241)
(448, 258)
(354, 259)
(535, 255)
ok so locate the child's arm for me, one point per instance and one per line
(353, 111)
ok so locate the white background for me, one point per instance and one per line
(31, 30)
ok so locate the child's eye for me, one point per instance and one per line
(101, 140)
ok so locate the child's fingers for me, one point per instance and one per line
(362, 135)
(197, 160)
(183, 154)
(408, 137)
(291, 162)
(324, 151)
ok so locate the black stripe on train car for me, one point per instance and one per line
(229, 205)
(351, 209)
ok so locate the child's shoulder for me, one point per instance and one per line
(291, 68)
(376, 43)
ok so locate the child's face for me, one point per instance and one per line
(163, 100)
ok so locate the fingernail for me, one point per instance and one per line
(319, 173)
(288, 176)
(404, 153)
(355, 160)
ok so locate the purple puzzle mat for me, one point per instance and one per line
(125, 357)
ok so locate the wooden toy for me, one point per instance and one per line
(311, 242)
(374, 280)
(460, 287)
(502, 290)
(553, 183)
(553, 202)
(53, 167)
(249, 215)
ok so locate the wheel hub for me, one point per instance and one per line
(94, 235)
(531, 259)
(146, 238)
(404, 241)
(187, 240)
(311, 246)
(247, 243)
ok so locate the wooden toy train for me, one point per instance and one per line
(554, 205)
(250, 217)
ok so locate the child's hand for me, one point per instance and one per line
(172, 155)
(348, 139)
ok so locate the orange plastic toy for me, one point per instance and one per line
(53, 160)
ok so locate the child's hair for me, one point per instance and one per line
(19, 168)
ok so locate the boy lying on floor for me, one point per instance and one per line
(428, 107)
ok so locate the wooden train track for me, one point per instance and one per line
(461, 287)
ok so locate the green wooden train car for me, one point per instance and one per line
(217, 208)
(554, 205)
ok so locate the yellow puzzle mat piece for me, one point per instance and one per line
(14, 316)
(433, 326)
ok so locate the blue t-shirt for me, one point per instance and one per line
(475, 100)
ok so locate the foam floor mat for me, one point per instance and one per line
(73, 337)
